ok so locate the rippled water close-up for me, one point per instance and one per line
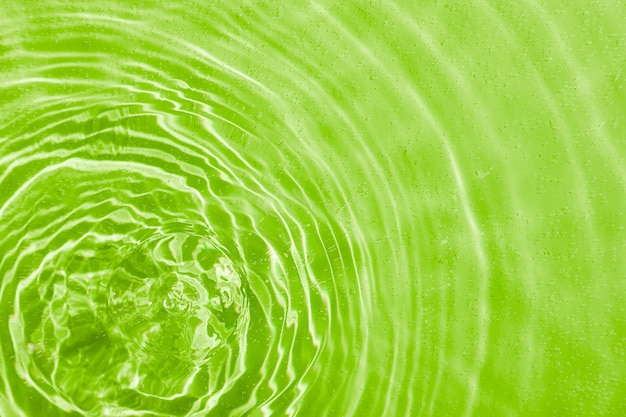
(324, 208)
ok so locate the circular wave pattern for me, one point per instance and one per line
(148, 270)
(355, 209)
(137, 301)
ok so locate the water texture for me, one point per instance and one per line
(361, 208)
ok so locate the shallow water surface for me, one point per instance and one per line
(366, 208)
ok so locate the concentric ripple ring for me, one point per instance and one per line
(381, 208)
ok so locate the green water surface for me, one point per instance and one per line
(325, 208)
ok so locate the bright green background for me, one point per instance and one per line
(425, 201)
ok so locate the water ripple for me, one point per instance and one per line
(323, 209)
(145, 255)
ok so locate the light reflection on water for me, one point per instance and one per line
(377, 208)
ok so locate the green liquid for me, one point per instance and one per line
(323, 209)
